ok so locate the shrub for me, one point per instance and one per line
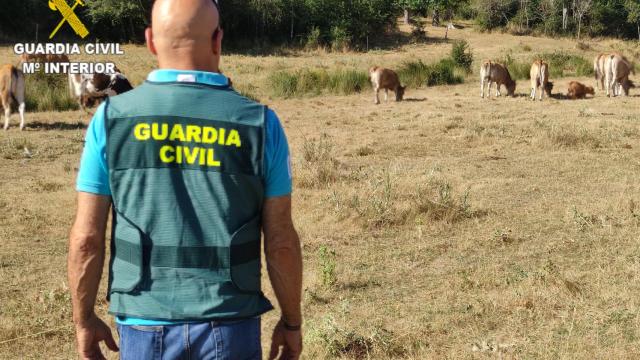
(52, 93)
(461, 55)
(519, 70)
(413, 73)
(340, 39)
(314, 39)
(443, 73)
(562, 64)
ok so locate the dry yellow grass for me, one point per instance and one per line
(450, 226)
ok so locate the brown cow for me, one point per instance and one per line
(617, 69)
(579, 91)
(12, 89)
(491, 72)
(386, 79)
(539, 75)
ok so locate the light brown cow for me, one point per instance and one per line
(491, 72)
(12, 89)
(579, 91)
(617, 69)
(386, 79)
(539, 75)
(598, 70)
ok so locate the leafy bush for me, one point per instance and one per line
(518, 70)
(443, 73)
(461, 55)
(416, 73)
(340, 40)
(413, 73)
(314, 39)
(563, 64)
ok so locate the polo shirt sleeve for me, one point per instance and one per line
(277, 161)
(93, 176)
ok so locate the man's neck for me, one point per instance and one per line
(189, 66)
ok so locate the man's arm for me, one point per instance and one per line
(284, 265)
(84, 267)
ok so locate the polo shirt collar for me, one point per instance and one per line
(188, 76)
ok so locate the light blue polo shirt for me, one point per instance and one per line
(93, 176)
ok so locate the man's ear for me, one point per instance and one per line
(216, 42)
(148, 35)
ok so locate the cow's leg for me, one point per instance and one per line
(482, 82)
(6, 103)
(376, 99)
(541, 91)
(386, 95)
(533, 92)
(19, 96)
(498, 85)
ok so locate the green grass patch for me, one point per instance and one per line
(308, 82)
(561, 64)
(415, 74)
(48, 92)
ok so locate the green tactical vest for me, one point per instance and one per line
(185, 166)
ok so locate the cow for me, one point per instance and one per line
(598, 70)
(579, 91)
(492, 72)
(91, 89)
(386, 79)
(616, 70)
(12, 89)
(539, 75)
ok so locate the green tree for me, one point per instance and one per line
(122, 20)
(633, 17)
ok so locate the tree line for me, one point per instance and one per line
(334, 23)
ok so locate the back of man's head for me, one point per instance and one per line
(185, 34)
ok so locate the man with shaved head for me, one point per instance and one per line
(194, 174)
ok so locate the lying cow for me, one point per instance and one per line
(617, 70)
(491, 72)
(539, 75)
(579, 91)
(386, 79)
(12, 89)
(91, 89)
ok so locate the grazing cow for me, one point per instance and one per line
(386, 79)
(491, 72)
(579, 91)
(539, 75)
(91, 89)
(617, 69)
(12, 89)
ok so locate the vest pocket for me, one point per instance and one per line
(244, 256)
(126, 268)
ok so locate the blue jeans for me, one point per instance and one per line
(228, 340)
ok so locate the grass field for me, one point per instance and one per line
(442, 227)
